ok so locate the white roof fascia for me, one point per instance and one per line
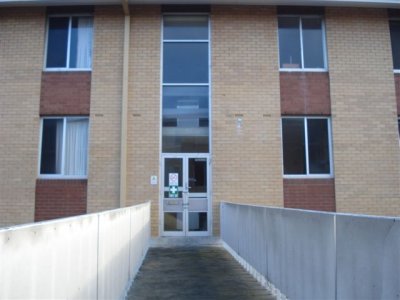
(351, 3)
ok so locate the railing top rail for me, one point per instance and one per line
(70, 219)
(394, 218)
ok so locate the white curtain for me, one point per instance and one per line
(84, 43)
(59, 145)
(76, 142)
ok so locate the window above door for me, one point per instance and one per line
(185, 83)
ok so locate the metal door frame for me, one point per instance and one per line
(185, 177)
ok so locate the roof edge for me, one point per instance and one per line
(344, 3)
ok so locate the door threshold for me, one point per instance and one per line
(185, 241)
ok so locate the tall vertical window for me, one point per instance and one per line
(185, 88)
(394, 26)
(301, 42)
(69, 43)
(64, 147)
(306, 146)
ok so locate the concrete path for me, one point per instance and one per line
(203, 272)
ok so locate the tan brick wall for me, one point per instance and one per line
(247, 164)
(105, 109)
(21, 64)
(366, 150)
(144, 108)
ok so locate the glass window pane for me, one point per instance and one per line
(289, 42)
(395, 38)
(294, 152)
(76, 141)
(185, 119)
(51, 156)
(197, 175)
(185, 63)
(57, 43)
(81, 42)
(318, 146)
(173, 221)
(197, 221)
(186, 27)
(313, 43)
(173, 165)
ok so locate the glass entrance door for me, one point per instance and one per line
(185, 195)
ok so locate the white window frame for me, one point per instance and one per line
(324, 48)
(398, 125)
(62, 175)
(67, 68)
(308, 175)
(396, 71)
(209, 84)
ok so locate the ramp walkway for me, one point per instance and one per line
(194, 272)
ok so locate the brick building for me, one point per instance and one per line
(105, 104)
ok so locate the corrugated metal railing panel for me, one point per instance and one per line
(316, 255)
(85, 257)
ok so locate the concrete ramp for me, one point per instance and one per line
(201, 272)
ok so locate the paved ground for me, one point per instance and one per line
(205, 272)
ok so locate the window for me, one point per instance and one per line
(64, 147)
(306, 146)
(185, 87)
(301, 43)
(69, 43)
(395, 39)
(398, 125)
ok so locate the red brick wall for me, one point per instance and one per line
(65, 93)
(314, 194)
(305, 93)
(397, 84)
(59, 198)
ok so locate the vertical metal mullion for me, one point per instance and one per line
(63, 146)
(328, 120)
(40, 146)
(301, 43)
(209, 83)
(306, 144)
(46, 43)
(324, 48)
(208, 166)
(161, 172)
(69, 42)
(185, 184)
(209, 203)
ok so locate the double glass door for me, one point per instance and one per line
(185, 195)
